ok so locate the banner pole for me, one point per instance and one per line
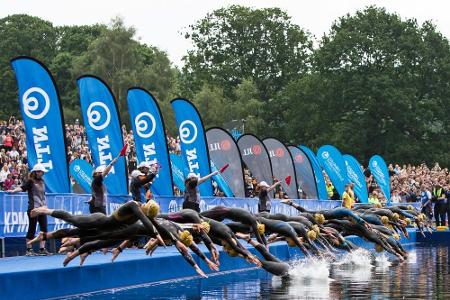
(3, 247)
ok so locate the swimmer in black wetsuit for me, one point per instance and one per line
(220, 213)
(191, 216)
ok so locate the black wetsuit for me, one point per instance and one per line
(220, 213)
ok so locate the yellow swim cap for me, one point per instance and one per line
(384, 220)
(395, 216)
(408, 221)
(396, 236)
(261, 228)
(290, 242)
(420, 218)
(186, 238)
(206, 226)
(316, 228)
(312, 235)
(150, 209)
(410, 207)
(378, 248)
(320, 218)
(378, 205)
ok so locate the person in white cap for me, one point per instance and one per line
(191, 192)
(97, 204)
(264, 204)
(140, 178)
(35, 186)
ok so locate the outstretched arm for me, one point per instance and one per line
(204, 178)
(274, 186)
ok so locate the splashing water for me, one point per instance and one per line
(358, 258)
(382, 261)
(310, 268)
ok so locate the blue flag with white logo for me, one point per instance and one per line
(149, 137)
(221, 183)
(101, 120)
(194, 150)
(81, 171)
(356, 175)
(320, 181)
(380, 172)
(332, 162)
(179, 171)
(44, 125)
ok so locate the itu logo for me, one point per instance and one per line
(188, 132)
(374, 163)
(279, 152)
(145, 124)
(299, 158)
(256, 149)
(325, 155)
(97, 119)
(31, 106)
(225, 145)
(76, 168)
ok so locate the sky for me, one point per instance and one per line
(160, 23)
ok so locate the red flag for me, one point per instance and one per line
(288, 180)
(224, 168)
(124, 150)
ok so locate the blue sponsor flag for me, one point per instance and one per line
(149, 137)
(179, 171)
(81, 171)
(356, 175)
(194, 150)
(320, 181)
(380, 172)
(307, 187)
(44, 125)
(101, 120)
(332, 162)
(221, 182)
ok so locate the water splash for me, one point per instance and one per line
(311, 268)
(358, 258)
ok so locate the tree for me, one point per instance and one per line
(379, 84)
(236, 43)
(22, 35)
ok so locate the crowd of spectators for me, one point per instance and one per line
(407, 181)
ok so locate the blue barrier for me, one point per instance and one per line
(14, 220)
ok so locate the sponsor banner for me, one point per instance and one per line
(194, 150)
(220, 181)
(320, 180)
(179, 171)
(380, 172)
(256, 158)
(81, 171)
(44, 125)
(149, 137)
(306, 182)
(332, 162)
(13, 210)
(356, 175)
(224, 150)
(101, 120)
(14, 220)
(282, 165)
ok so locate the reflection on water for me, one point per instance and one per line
(358, 275)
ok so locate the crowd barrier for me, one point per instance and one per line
(14, 220)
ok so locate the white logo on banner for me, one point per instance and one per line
(31, 104)
(188, 131)
(76, 168)
(142, 126)
(325, 155)
(95, 116)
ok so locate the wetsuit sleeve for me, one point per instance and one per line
(197, 251)
(147, 224)
(147, 179)
(206, 240)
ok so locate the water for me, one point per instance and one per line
(360, 275)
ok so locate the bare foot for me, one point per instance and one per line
(38, 238)
(71, 242)
(39, 211)
(69, 257)
(83, 258)
(115, 252)
(243, 236)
